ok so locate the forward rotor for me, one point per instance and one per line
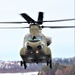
(39, 21)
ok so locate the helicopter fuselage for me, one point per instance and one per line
(35, 46)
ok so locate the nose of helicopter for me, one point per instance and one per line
(34, 44)
(34, 41)
(39, 47)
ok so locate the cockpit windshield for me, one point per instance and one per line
(29, 37)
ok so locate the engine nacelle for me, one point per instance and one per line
(49, 40)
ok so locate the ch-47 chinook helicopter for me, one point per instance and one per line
(36, 45)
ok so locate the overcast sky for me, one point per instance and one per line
(11, 40)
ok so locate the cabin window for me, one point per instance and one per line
(39, 37)
(29, 37)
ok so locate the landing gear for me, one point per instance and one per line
(35, 61)
(23, 63)
(49, 62)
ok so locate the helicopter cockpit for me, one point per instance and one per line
(33, 42)
(33, 38)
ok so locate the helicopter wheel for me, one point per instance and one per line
(49, 62)
(36, 60)
(25, 66)
(21, 62)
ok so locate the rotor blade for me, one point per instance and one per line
(40, 18)
(60, 20)
(29, 21)
(13, 22)
(13, 27)
(58, 27)
(27, 18)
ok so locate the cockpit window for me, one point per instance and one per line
(29, 37)
(39, 37)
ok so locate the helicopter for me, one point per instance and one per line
(36, 45)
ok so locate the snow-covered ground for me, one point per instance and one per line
(29, 73)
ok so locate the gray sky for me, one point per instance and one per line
(11, 40)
